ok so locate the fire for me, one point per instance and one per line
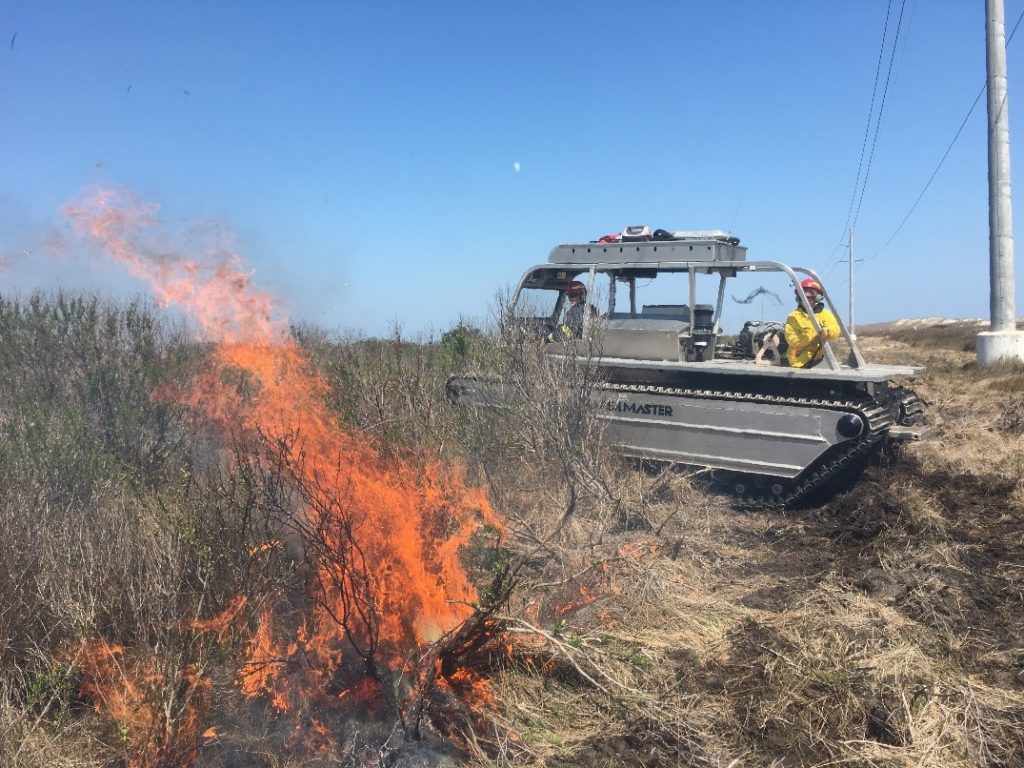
(260, 674)
(385, 533)
(264, 547)
(212, 285)
(159, 716)
(220, 624)
(582, 598)
(479, 691)
(637, 550)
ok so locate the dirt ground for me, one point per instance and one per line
(883, 628)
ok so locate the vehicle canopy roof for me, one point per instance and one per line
(705, 246)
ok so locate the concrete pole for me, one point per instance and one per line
(1001, 300)
(1002, 340)
(849, 255)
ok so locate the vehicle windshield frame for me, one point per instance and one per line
(557, 276)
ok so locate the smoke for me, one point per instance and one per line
(27, 241)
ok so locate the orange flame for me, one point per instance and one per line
(160, 718)
(389, 531)
(582, 598)
(261, 674)
(263, 547)
(637, 550)
(211, 285)
(222, 622)
(473, 687)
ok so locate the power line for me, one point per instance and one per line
(871, 112)
(850, 215)
(881, 109)
(946, 154)
(932, 177)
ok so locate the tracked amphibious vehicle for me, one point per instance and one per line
(676, 389)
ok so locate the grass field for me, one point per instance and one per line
(183, 586)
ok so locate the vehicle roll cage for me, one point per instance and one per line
(558, 276)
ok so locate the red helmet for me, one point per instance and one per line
(575, 289)
(810, 282)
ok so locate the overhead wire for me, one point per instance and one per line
(881, 109)
(946, 153)
(871, 112)
(877, 120)
(844, 281)
(932, 177)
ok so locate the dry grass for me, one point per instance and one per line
(652, 624)
(880, 630)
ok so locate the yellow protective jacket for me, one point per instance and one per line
(572, 324)
(804, 348)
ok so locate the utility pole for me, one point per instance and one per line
(849, 257)
(1002, 340)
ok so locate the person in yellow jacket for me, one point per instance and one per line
(806, 345)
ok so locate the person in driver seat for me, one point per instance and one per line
(806, 345)
(575, 317)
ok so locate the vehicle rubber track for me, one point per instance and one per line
(778, 493)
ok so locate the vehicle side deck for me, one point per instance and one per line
(734, 367)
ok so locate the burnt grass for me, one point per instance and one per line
(652, 623)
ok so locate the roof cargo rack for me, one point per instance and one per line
(712, 245)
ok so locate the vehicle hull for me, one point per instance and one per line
(777, 438)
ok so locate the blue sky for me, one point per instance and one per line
(365, 155)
